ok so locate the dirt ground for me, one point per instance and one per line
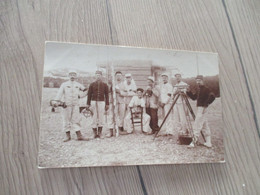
(133, 149)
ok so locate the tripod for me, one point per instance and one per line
(185, 100)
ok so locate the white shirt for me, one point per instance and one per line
(70, 90)
(166, 89)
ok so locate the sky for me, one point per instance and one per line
(85, 57)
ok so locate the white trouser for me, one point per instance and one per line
(110, 117)
(98, 108)
(71, 118)
(168, 123)
(201, 123)
(120, 114)
(179, 118)
(128, 126)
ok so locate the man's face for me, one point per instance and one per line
(118, 77)
(199, 82)
(98, 77)
(150, 83)
(72, 76)
(139, 94)
(165, 79)
(128, 80)
(178, 77)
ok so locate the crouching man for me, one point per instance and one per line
(135, 104)
(98, 99)
(70, 91)
(204, 97)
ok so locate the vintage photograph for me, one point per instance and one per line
(106, 105)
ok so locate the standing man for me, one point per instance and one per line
(70, 91)
(166, 91)
(98, 99)
(152, 94)
(130, 88)
(120, 100)
(179, 114)
(204, 97)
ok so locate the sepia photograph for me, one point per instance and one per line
(105, 105)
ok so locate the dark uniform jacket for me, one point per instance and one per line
(203, 96)
(98, 91)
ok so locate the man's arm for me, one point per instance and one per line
(90, 92)
(211, 97)
(192, 95)
(156, 91)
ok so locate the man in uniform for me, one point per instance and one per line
(204, 97)
(70, 91)
(120, 100)
(130, 88)
(152, 94)
(166, 91)
(98, 99)
(135, 104)
(179, 115)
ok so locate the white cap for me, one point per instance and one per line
(128, 75)
(72, 71)
(151, 78)
(164, 74)
(177, 73)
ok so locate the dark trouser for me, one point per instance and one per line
(153, 113)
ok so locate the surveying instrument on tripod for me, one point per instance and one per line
(187, 138)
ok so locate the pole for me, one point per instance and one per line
(114, 99)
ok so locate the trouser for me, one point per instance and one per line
(120, 114)
(71, 118)
(110, 117)
(168, 122)
(98, 108)
(128, 126)
(201, 123)
(179, 118)
(153, 113)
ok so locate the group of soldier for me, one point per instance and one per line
(128, 98)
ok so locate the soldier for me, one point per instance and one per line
(98, 99)
(135, 103)
(166, 91)
(130, 88)
(152, 94)
(120, 101)
(204, 97)
(70, 91)
(179, 115)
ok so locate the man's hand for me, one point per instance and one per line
(106, 107)
(162, 105)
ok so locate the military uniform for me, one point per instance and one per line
(179, 114)
(204, 97)
(166, 91)
(70, 91)
(98, 98)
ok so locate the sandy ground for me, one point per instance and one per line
(130, 149)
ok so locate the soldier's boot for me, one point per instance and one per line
(68, 137)
(208, 142)
(95, 133)
(100, 132)
(80, 137)
(111, 133)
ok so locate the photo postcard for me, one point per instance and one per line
(105, 105)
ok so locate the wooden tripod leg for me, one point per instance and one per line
(174, 102)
